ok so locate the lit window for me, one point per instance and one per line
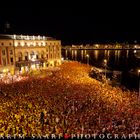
(28, 44)
(22, 44)
(27, 37)
(43, 37)
(31, 43)
(15, 43)
(39, 37)
(14, 36)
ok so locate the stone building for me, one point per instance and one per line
(20, 52)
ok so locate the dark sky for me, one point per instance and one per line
(74, 25)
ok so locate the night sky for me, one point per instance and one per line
(74, 25)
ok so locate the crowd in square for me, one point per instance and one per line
(67, 101)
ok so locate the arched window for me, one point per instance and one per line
(26, 56)
(42, 54)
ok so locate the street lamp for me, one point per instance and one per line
(87, 58)
(139, 83)
(105, 64)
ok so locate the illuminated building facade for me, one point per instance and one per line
(19, 52)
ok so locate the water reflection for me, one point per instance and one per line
(105, 54)
(82, 54)
(117, 58)
(127, 53)
(122, 60)
(85, 53)
(66, 53)
(72, 53)
(96, 53)
(108, 55)
(75, 55)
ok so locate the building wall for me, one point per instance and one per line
(6, 55)
(15, 51)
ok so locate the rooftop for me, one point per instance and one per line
(25, 37)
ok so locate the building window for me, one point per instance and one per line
(10, 44)
(25, 43)
(2, 43)
(4, 61)
(41, 44)
(47, 56)
(20, 59)
(18, 43)
(31, 44)
(11, 59)
(37, 56)
(42, 56)
(3, 52)
(26, 58)
(36, 43)
(46, 43)
(11, 52)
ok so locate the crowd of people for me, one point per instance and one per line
(67, 101)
